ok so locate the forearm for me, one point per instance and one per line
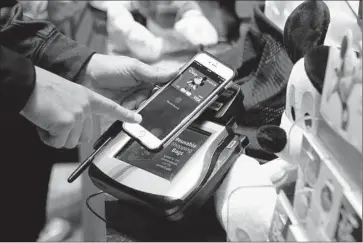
(41, 42)
(125, 33)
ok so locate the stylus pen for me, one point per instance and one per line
(86, 163)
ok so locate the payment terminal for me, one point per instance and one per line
(181, 177)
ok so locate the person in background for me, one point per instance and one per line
(36, 9)
(55, 12)
(148, 30)
(42, 110)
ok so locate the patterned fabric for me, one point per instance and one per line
(263, 67)
(264, 87)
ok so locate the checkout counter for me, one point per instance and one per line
(136, 224)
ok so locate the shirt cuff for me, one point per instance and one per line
(64, 57)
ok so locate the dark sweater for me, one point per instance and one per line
(26, 162)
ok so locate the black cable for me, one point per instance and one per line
(107, 222)
(91, 209)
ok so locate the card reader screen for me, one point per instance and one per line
(168, 162)
(182, 97)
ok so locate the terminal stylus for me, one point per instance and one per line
(86, 163)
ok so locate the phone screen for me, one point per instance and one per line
(178, 100)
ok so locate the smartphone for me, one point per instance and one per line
(178, 103)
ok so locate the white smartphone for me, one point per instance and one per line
(178, 103)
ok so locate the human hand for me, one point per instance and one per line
(136, 97)
(194, 26)
(111, 76)
(62, 110)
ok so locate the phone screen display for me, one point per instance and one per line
(168, 109)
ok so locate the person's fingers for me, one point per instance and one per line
(141, 103)
(102, 106)
(135, 104)
(140, 100)
(87, 130)
(75, 134)
(129, 104)
(134, 101)
(43, 135)
(151, 74)
(56, 141)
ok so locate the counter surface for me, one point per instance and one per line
(136, 224)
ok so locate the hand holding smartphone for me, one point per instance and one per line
(177, 104)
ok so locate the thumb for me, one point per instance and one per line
(151, 74)
(101, 105)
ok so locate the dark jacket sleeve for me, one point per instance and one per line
(17, 81)
(41, 42)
